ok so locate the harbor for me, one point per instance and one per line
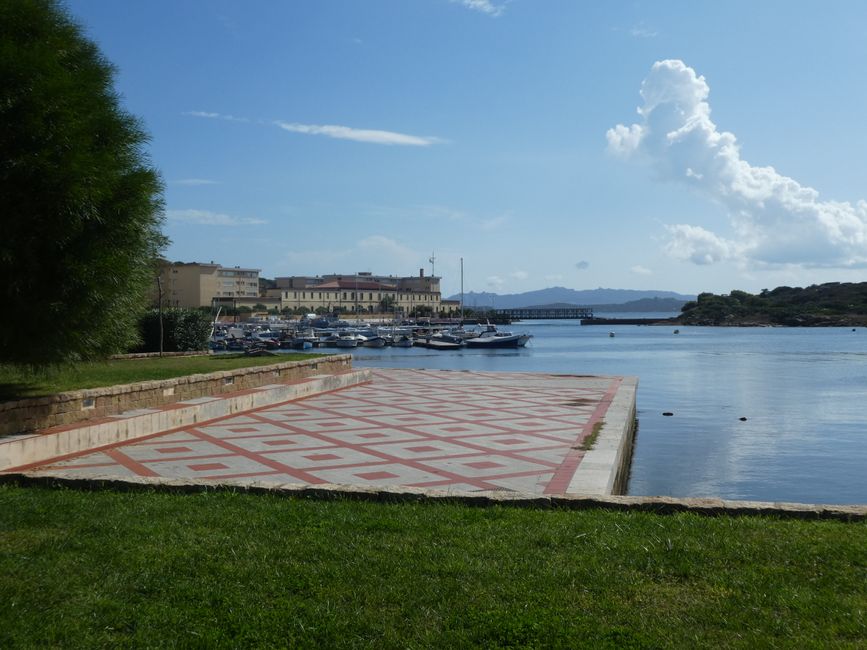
(262, 335)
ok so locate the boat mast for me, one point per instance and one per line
(462, 291)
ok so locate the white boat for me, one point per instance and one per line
(348, 341)
(402, 341)
(374, 342)
(491, 338)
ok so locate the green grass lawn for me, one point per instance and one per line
(17, 382)
(147, 569)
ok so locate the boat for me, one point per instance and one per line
(434, 343)
(348, 341)
(491, 338)
(402, 341)
(374, 342)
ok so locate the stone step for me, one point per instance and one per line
(26, 449)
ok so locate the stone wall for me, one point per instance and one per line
(33, 414)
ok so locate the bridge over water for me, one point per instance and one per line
(546, 313)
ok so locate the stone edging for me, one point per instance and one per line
(151, 355)
(657, 505)
(70, 407)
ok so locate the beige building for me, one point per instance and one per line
(360, 293)
(201, 285)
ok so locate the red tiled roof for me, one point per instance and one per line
(351, 284)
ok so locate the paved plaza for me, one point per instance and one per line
(449, 430)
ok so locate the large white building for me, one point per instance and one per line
(361, 293)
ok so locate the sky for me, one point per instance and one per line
(680, 146)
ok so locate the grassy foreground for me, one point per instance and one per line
(31, 382)
(91, 569)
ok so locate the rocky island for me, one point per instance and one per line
(834, 304)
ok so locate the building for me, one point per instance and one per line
(202, 285)
(360, 293)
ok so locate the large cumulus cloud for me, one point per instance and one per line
(775, 219)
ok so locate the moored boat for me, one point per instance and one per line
(491, 338)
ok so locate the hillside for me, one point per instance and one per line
(831, 304)
(553, 295)
(633, 306)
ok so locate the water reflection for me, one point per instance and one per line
(801, 390)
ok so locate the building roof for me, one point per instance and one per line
(352, 284)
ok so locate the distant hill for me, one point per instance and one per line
(643, 305)
(585, 297)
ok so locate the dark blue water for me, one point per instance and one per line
(803, 392)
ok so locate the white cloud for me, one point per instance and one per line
(483, 6)
(359, 135)
(775, 220)
(519, 275)
(493, 223)
(495, 281)
(640, 270)
(697, 245)
(208, 218)
(397, 253)
(376, 252)
(642, 31)
(216, 116)
(194, 181)
(372, 136)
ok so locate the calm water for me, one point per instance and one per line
(803, 392)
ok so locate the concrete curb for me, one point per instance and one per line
(605, 467)
(657, 505)
(24, 450)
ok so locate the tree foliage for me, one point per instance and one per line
(184, 330)
(833, 303)
(81, 207)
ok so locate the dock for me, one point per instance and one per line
(459, 432)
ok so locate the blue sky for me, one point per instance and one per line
(644, 145)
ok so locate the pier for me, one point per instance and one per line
(434, 431)
(538, 313)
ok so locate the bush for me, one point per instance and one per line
(184, 330)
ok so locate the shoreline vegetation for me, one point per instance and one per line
(834, 304)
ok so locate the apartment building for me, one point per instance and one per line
(191, 284)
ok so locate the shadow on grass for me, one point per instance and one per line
(11, 391)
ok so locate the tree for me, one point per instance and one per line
(80, 205)
(186, 330)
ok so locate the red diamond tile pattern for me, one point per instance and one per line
(423, 428)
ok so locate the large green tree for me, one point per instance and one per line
(80, 205)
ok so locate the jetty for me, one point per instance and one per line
(546, 313)
(430, 431)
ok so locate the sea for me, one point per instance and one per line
(757, 413)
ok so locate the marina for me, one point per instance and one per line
(257, 335)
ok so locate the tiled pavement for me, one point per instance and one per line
(450, 430)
